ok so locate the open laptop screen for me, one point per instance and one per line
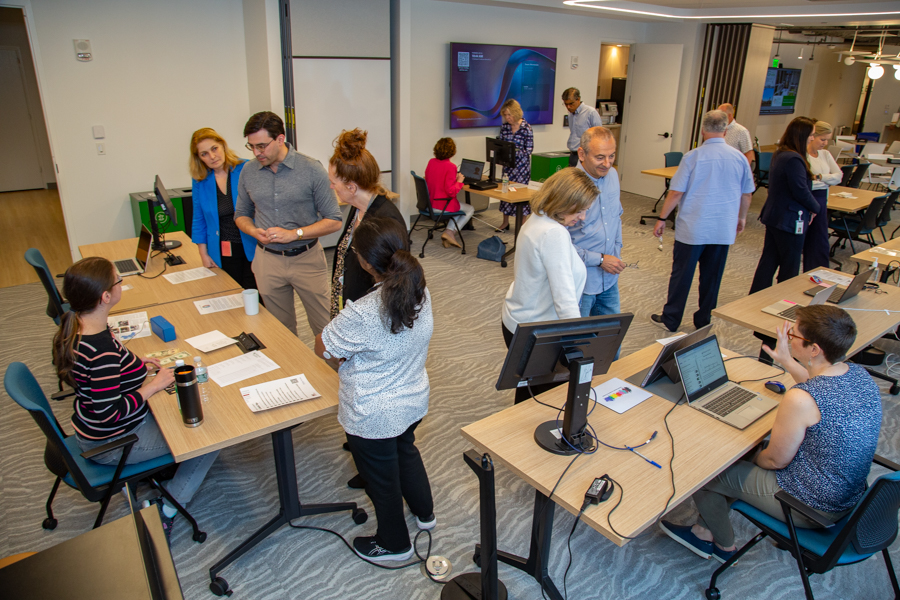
(471, 169)
(702, 369)
(143, 248)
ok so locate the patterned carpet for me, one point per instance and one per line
(466, 353)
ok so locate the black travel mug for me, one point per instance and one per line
(188, 396)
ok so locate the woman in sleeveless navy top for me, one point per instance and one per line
(823, 439)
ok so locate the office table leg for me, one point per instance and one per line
(469, 226)
(539, 547)
(290, 508)
(520, 209)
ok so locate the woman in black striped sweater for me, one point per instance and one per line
(111, 384)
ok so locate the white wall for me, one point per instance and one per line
(160, 71)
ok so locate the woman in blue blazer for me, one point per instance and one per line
(215, 170)
(790, 207)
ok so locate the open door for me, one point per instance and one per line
(653, 77)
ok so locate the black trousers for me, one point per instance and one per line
(573, 159)
(522, 392)
(781, 252)
(238, 267)
(815, 245)
(685, 258)
(394, 472)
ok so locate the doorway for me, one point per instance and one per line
(611, 80)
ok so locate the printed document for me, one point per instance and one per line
(213, 340)
(214, 305)
(240, 368)
(189, 275)
(278, 393)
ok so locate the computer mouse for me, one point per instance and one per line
(775, 386)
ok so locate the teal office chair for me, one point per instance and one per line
(849, 228)
(63, 457)
(869, 528)
(672, 159)
(56, 308)
(440, 219)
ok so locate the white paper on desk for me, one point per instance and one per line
(126, 287)
(189, 275)
(208, 342)
(669, 340)
(240, 368)
(535, 185)
(844, 195)
(832, 277)
(887, 251)
(130, 326)
(271, 394)
(619, 395)
(214, 305)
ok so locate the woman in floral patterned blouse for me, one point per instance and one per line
(517, 130)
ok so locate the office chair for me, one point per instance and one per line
(877, 174)
(849, 228)
(885, 216)
(423, 204)
(847, 170)
(858, 175)
(672, 159)
(869, 528)
(763, 164)
(63, 457)
(894, 148)
(56, 307)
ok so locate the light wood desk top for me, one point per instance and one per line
(703, 448)
(863, 198)
(226, 418)
(667, 172)
(870, 324)
(868, 256)
(151, 292)
(768, 148)
(522, 193)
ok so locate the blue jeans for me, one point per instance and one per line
(604, 303)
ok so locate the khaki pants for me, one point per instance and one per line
(278, 277)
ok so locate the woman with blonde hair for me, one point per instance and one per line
(516, 129)
(549, 274)
(825, 173)
(215, 171)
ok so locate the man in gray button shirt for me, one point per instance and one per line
(581, 118)
(285, 201)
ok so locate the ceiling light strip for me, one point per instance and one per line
(590, 4)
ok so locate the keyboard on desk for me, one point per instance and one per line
(729, 401)
(789, 313)
(126, 266)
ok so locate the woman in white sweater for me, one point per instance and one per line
(549, 275)
(825, 173)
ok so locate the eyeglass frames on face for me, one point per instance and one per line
(257, 147)
(791, 335)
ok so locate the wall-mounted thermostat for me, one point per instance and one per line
(83, 50)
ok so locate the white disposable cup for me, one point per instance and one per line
(251, 302)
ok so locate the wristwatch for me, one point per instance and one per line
(326, 355)
(601, 260)
(299, 234)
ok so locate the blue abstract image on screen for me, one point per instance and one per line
(484, 76)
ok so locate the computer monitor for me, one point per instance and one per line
(499, 152)
(166, 215)
(572, 350)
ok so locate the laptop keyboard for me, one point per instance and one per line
(836, 294)
(126, 266)
(729, 401)
(789, 313)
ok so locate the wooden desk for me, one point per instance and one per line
(704, 447)
(151, 292)
(868, 257)
(518, 198)
(667, 172)
(768, 148)
(747, 312)
(863, 198)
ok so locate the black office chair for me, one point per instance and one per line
(858, 175)
(672, 159)
(870, 527)
(440, 219)
(56, 307)
(885, 217)
(63, 457)
(763, 164)
(847, 170)
(851, 228)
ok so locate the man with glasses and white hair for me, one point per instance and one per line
(285, 201)
(712, 190)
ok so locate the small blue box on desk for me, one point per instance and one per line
(163, 329)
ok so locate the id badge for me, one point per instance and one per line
(226, 248)
(798, 226)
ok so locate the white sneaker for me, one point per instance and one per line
(428, 523)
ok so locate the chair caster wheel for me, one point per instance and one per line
(463, 252)
(200, 537)
(713, 594)
(476, 558)
(430, 235)
(503, 263)
(895, 389)
(219, 587)
(359, 516)
(49, 523)
(421, 255)
(643, 222)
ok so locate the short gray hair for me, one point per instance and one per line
(715, 121)
(595, 132)
(571, 94)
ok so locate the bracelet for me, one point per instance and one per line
(662, 218)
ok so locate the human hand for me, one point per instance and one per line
(782, 352)
(613, 265)
(261, 236)
(153, 361)
(741, 224)
(163, 379)
(460, 178)
(659, 229)
(811, 217)
(208, 262)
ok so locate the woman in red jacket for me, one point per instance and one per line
(444, 183)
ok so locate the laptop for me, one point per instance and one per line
(840, 294)
(661, 378)
(786, 309)
(708, 390)
(472, 170)
(141, 261)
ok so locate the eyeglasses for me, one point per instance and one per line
(257, 147)
(116, 283)
(791, 335)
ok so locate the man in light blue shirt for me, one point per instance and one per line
(712, 189)
(581, 118)
(598, 238)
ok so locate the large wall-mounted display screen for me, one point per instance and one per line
(484, 76)
(780, 91)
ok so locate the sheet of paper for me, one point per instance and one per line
(619, 396)
(126, 287)
(240, 368)
(130, 326)
(189, 275)
(669, 340)
(208, 342)
(828, 276)
(278, 393)
(214, 305)
(844, 195)
(886, 251)
(170, 355)
(535, 185)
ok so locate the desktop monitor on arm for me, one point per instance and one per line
(499, 152)
(166, 214)
(572, 350)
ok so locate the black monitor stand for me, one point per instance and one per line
(492, 171)
(160, 244)
(572, 439)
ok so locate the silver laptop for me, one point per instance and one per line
(141, 261)
(786, 309)
(471, 170)
(707, 388)
(840, 294)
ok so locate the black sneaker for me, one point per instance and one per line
(346, 446)
(369, 549)
(657, 320)
(356, 482)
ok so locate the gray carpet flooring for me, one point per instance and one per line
(465, 356)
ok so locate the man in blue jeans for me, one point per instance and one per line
(598, 238)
